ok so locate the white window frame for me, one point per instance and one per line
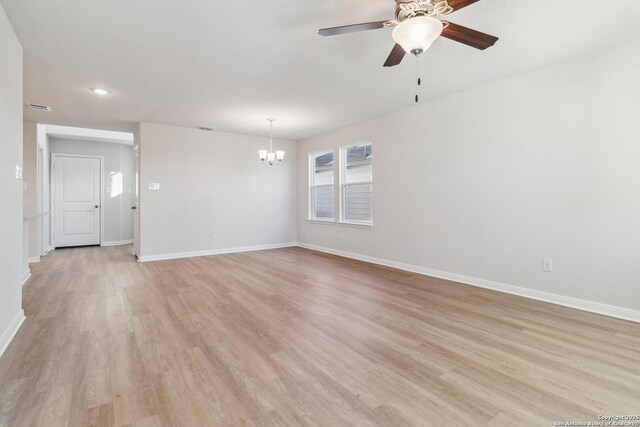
(312, 169)
(343, 185)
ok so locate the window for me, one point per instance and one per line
(321, 186)
(356, 179)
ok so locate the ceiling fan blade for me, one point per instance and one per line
(468, 36)
(395, 57)
(352, 28)
(459, 4)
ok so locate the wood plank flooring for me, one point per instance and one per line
(292, 337)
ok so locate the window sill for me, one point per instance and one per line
(321, 221)
(355, 225)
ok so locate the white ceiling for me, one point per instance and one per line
(231, 64)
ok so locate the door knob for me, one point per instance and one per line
(96, 206)
(133, 207)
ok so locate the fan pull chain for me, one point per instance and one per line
(418, 75)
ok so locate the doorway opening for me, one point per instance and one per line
(90, 191)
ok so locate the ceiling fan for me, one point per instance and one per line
(418, 25)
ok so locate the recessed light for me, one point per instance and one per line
(99, 91)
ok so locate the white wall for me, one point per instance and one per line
(11, 229)
(118, 217)
(212, 182)
(487, 182)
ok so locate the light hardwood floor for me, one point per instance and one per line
(294, 337)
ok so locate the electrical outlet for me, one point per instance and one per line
(547, 265)
(214, 234)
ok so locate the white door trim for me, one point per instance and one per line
(52, 192)
(136, 199)
(39, 202)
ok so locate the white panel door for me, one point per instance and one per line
(76, 201)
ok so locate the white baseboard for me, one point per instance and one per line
(215, 252)
(118, 243)
(25, 276)
(580, 304)
(11, 331)
(34, 259)
(47, 250)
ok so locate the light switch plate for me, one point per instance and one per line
(154, 186)
(18, 172)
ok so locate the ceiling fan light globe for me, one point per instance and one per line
(416, 35)
(419, 32)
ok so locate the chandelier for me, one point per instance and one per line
(271, 157)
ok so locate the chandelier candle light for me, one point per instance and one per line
(270, 157)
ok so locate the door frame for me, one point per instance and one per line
(52, 192)
(40, 203)
(136, 198)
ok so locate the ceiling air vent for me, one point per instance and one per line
(208, 129)
(39, 107)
